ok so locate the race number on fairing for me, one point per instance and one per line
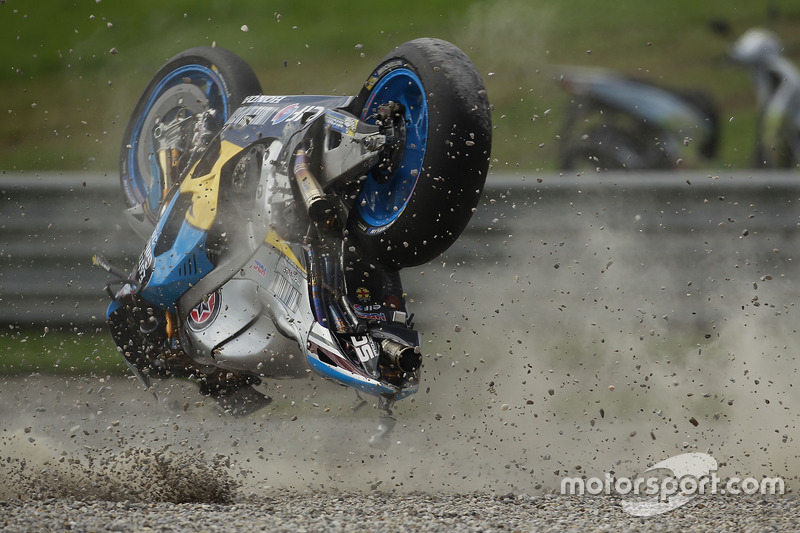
(364, 349)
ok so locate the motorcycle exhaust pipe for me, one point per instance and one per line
(402, 356)
(318, 207)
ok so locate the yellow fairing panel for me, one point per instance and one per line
(205, 190)
(205, 195)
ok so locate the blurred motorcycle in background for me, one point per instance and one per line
(619, 122)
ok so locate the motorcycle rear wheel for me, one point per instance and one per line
(191, 82)
(415, 211)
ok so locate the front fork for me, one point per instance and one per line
(180, 144)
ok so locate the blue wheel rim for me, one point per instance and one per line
(379, 204)
(200, 76)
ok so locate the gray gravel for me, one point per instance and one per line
(287, 510)
(98, 454)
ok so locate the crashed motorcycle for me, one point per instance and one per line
(276, 226)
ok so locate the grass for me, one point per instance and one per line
(91, 351)
(68, 87)
(68, 351)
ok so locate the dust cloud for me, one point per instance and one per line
(604, 330)
(569, 332)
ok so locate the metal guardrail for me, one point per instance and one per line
(52, 224)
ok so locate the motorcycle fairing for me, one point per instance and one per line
(325, 358)
(265, 314)
(196, 250)
(204, 189)
(182, 260)
(173, 259)
(277, 117)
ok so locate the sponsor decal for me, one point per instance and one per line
(264, 99)
(255, 114)
(205, 312)
(293, 113)
(285, 113)
(285, 285)
(259, 267)
(341, 123)
(144, 269)
(371, 316)
(369, 312)
(362, 293)
(366, 308)
(376, 230)
(381, 71)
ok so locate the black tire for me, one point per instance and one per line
(189, 83)
(442, 184)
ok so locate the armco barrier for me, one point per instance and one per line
(52, 224)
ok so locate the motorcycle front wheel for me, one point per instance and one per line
(190, 83)
(417, 204)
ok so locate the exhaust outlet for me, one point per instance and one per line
(319, 208)
(402, 356)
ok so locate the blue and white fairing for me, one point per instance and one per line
(175, 257)
(248, 301)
